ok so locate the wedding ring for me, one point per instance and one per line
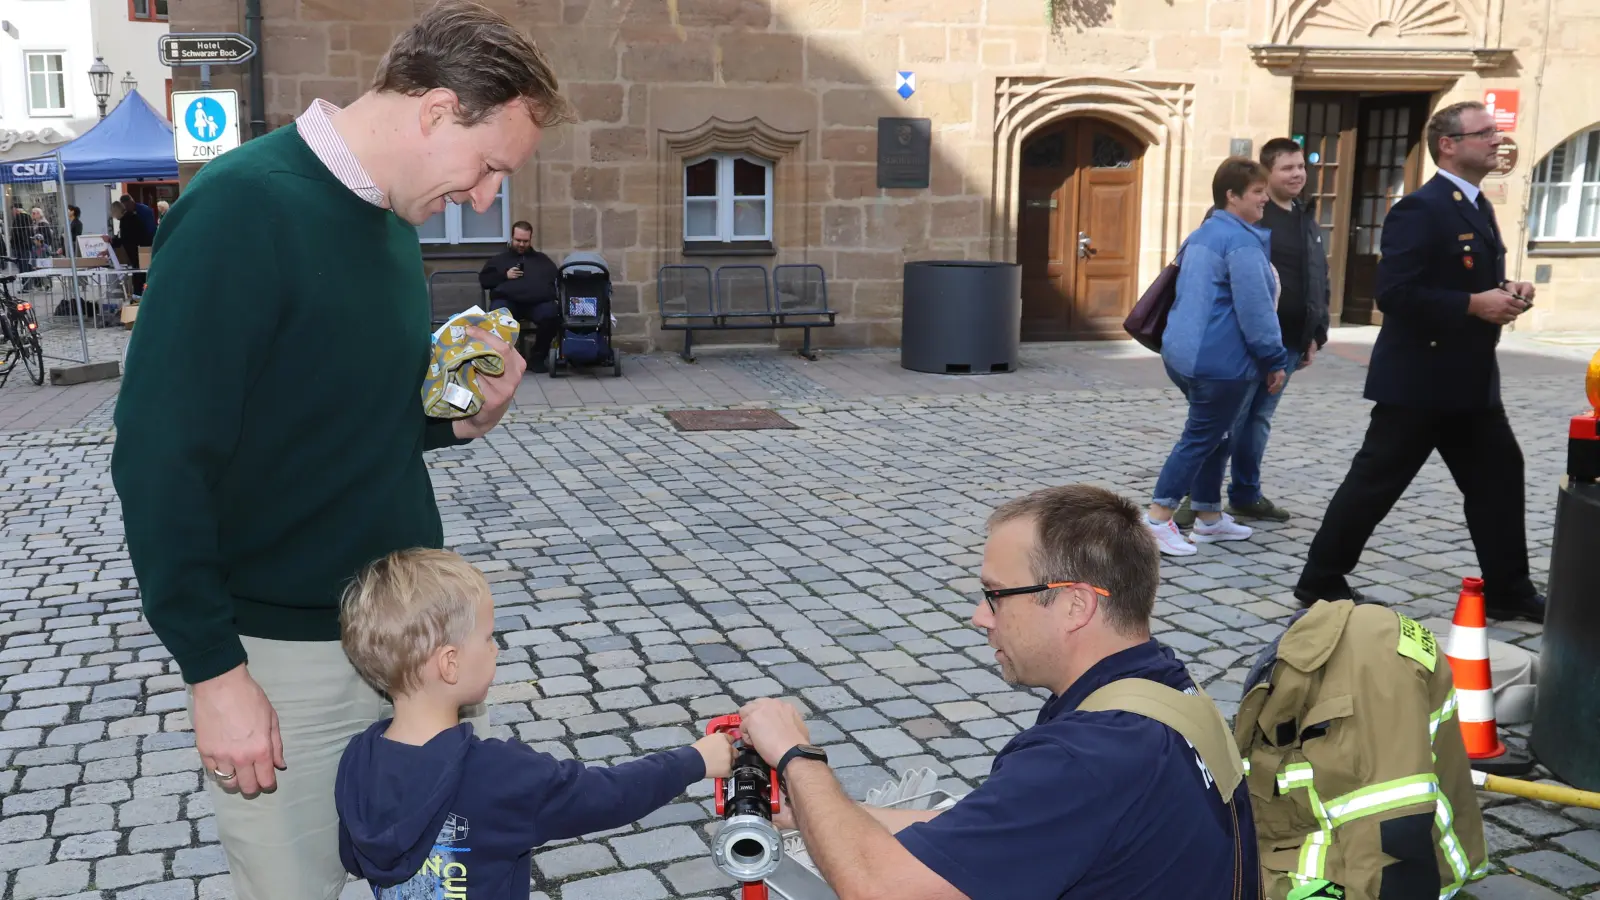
(225, 776)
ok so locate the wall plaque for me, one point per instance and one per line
(905, 152)
(1507, 160)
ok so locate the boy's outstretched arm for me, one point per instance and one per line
(556, 799)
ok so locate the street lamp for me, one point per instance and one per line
(129, 84)
(100, 82)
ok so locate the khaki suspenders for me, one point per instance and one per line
(1197, 719)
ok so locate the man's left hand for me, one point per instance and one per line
(497, 389)
(1308, 357)
(772, 727)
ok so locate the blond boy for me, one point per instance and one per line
(426, 807)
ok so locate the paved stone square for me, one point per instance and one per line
(647, 579)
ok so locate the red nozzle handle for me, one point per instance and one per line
(728, 722)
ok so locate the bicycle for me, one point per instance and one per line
(19, 335)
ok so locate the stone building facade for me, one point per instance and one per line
(1077, 137)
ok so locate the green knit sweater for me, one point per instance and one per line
(270, 430)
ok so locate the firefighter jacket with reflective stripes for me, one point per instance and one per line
(1358, 777)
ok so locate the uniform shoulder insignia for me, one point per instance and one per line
(1417, 643)
(1456, 194)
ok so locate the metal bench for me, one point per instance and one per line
(454, 290)
(743, 297)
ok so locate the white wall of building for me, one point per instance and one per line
(44, 26)
(129, 46)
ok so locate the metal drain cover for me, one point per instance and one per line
(728, 420)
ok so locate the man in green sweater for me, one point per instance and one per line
(270, 428)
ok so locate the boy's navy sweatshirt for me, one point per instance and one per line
(460, 815)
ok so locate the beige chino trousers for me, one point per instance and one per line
(284, 844)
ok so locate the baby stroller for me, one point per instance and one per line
(583, 297)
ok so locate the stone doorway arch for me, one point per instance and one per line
(1155, 113)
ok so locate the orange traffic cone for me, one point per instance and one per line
(1468, 652)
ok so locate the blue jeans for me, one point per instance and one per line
(1194, 467)
(1250, 433)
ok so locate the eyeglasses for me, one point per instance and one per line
(1485, 133)
(993, 595)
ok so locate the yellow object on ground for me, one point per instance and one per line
(1591, 383)
(450, 390)
(1534, 790)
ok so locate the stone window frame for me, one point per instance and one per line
(28, 73)
(1580, 151)
(725, 199)
(452, 231)
(787, 152)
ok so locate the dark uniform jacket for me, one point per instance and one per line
(1438, 249)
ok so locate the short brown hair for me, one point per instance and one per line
(1236, 174)
(1447, 122)
(522, 225)
(475, 52)
(1089, 534)
(402, 608)
(1271, 150)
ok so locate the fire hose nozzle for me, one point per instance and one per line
(748, 848)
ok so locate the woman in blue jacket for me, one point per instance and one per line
(1221, 344)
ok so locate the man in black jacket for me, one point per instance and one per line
(524, 280)
(1434, 379)
(1301, 261)
(131, 235)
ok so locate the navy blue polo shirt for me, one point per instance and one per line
(1102, 804)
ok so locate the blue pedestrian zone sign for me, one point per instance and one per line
(205, 119)
(205, 124)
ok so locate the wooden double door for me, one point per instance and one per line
(1078, 230)
(1363, 153)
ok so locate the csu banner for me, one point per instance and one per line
(28, 170)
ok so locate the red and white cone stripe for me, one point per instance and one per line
(1468, 652)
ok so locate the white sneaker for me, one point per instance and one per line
(1223, 529)
(1170, 539)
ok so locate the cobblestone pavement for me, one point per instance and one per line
(648, 579)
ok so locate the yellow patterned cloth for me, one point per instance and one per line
(450, 390)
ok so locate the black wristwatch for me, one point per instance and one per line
(807, 751)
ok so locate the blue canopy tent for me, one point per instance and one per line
(132, 142)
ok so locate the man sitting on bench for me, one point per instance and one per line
(524, 280)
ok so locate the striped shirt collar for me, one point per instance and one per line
(316, 129)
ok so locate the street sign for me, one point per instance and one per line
(205, 124)
(204, 49)
(1502, 105)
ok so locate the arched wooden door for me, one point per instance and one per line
(1078, 230)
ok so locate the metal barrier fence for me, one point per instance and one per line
(78, 303)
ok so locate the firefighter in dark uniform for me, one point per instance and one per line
(1434, 378)
(1095, 803)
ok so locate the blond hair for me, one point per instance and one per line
(479, 55)
(402, 608)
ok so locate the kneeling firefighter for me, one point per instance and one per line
(1359, 781)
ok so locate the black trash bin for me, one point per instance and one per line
(961, 317)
